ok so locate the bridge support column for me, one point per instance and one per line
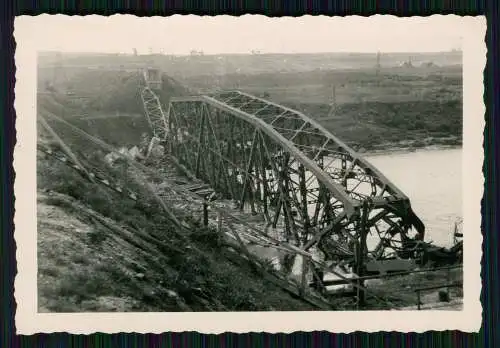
(360, 253)
(205, 214)
(219, 222)
(303, 280)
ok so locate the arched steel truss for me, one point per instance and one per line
(284, 165)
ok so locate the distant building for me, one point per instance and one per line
(196, 53)
(408, 63)
(429, 65)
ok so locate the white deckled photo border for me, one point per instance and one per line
(28, 321)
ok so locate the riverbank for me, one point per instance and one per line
(389, 149)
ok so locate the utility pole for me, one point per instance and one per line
(377, 69)
(377, 66)
(333, 102)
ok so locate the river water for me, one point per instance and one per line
(432, 179)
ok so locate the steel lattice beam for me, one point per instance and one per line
(157, 119)
(284, 165)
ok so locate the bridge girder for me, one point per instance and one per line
(284, 165)
(156, 117)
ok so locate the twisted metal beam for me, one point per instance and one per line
(281, 162)
(157, 119)
(179, 193)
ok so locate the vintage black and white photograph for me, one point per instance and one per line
(191, 164)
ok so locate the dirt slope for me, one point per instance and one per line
(99, 252)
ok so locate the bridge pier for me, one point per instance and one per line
(360, 255)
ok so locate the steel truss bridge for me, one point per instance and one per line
(286, 167)
(307, 189)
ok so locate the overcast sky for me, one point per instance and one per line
(225, 34)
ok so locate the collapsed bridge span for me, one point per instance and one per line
(282, 164)
(295, 187)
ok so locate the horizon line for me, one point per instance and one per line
(246, 53)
